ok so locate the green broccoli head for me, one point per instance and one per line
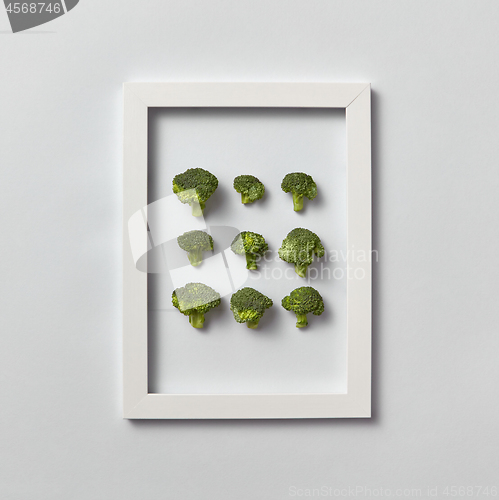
(303, 301)
(195, 300)
(248, 306)
(194, 187)
(250, 244)
(250, 187)
(195, 243)
(299, 247)
(300, 185)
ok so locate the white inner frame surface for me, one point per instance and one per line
(355, 98)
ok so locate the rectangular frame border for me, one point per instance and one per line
(355, 98)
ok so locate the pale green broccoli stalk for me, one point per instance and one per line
(194, 187)
(195, 243)
(252, 245)
(299, 247)
(250, 187)
(300, 185)
(248, 306)
(303, 301)
(195, 300)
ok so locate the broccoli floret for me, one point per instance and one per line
(250, 187)
(195, 243)
(195, 300)
(299, 247)
(250, 244)
(303, 301)
(248, 306)
(300, 185)
(194, 187)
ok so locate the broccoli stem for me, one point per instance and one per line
(252, 324)
(195, 257)
(245, 198)
(251, 262)
(196, 319)
(197, 208)
(301, 320)
(297, 201)
(301, 270)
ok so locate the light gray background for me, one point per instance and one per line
(226, 357)
(433, 67)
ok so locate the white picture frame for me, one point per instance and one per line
(138, 403)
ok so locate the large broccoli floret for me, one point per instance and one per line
(195, 243)
(300, 185)
(303, 301)
(248, 306)
(299, 247)
(250, 244)
(194, 187)
(195, 300)
(250, 187)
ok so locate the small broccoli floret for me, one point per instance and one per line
(250, 187)
(194, 187)
(248, 306)
(300, 185)
(299, 247)
(195, 300)
(195, 243)
(250, 244)
(303, 301)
